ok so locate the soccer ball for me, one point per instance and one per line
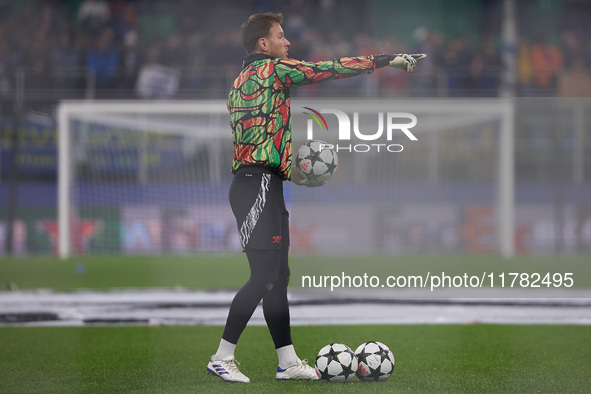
(376, 362)
(317, 160)
(336, 363)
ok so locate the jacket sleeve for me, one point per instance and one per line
(292, 72)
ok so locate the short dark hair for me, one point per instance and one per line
(257, 26)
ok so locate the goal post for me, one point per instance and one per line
(64, 176)
(166, 166)
(140, 116)
(507, 179)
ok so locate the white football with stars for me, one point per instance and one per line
(336, 362)
(318, 160)
(376, 362)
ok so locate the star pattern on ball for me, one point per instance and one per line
(333, 355)
(314, 158)
(383, 355)
(317, 161)
(347, 370)
(375, 374)
(338, 361)
(324, 375)
(363, 356)
(365, 371)
(331, 167)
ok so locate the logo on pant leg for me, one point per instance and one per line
(276, 239)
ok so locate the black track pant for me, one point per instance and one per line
(256, 197)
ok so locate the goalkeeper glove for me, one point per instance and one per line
(405, 62)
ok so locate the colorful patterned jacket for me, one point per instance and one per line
(259, 104)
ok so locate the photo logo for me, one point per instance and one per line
(316, 116)
(395, 122)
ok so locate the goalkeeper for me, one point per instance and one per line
(259, 105)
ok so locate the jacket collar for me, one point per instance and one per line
(253, 58)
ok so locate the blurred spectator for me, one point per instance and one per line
(123, 18)
(93, 15)
(587, 52)
(46, 19)
(194, 77)
(486, 68)
(103, 59)
(5, 82)
(524, 67)
(365, 44)
(326, 12)
(155, 21)
(572, 50)
(296, 24)
(174, 53)
(425, 83)
(339, 45)
(65, 62)
(309, 44)
(458, 59)
(392, 82)
(35, 62)
(156, 81)
(130, 61)
(546, 61)
(576, 81)
(39, 80)
(222, 65)
(72, 36)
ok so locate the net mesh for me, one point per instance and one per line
(400, 195)
(156, 181)
(150, 182)
(154, 178)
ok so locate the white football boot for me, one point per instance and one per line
(227, 370)
(300, 371)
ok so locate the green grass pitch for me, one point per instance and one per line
(172, 359)
(230, 271)
(429, 358)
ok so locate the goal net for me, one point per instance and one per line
(153, 177)
(144, 177)
(429, 176)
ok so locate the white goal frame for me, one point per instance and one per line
(68, 108)
(502, 107)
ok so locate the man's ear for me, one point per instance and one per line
(262, 43)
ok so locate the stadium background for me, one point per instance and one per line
(136, 264)
(134, 50)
